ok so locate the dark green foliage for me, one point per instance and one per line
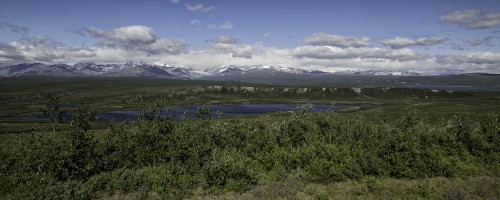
(230, 169)
(203, 112)
(160, 155)
(82, 156)
(53, 109)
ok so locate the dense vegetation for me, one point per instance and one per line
(441, 144)
(161, 157)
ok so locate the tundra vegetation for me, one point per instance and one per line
(420, 144)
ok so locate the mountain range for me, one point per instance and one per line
(161, 70)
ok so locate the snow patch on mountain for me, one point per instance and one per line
(165, 70)
(93, 69)
(380, 73)
(223, 70)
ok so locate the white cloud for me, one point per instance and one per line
(140, 38)
(133, 35)
(235, 50)
(199, 8)
(222, 39)
(212, 26)
(398, 42)
(175, 1)
(473, 19)
(332, 53)
(197, 24)
(401, 42)
(428, 41)
(481, 58)
(484, 59)
(230, 45)
(471, 43)
(478, 42)
(266, 35)
(10, 53)
(323, 39)
(226, 25)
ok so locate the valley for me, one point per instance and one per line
(192, 99)
(305, 141)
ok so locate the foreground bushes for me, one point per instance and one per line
(170, 158)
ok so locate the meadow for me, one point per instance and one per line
(418, 143)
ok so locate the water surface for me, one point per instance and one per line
(227, 110)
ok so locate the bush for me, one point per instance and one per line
(231, 170)
(170, 158)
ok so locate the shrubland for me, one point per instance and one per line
(298, 155)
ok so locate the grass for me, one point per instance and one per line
(372, 188)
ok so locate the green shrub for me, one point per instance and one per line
(171, 158)
(231, 170)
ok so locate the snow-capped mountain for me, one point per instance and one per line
(35, 69)
(163, 70)
(232, 70)
(91, 69)
(381, 73)
(183, 72)
(129, 69)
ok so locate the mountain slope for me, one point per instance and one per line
(162, 70)
(93, 69)
(233, 70)
(381, 73)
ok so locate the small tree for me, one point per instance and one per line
(303, 110)
(82, 152)
(203, 113)
(82, 117)
(53, 110)
(220, 114)
(331, 109)
(410, 118)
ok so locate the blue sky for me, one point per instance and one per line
(424, 36)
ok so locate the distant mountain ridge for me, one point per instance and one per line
(381, 73)
(130, 69)
(224, 70)
(139, 69)
(162, 70)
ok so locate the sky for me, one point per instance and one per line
(426, 36)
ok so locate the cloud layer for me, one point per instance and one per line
(473, 19)
(401, 42)
(199, 8)
(198, 25)
(323, 39)
(321, 51)
(137, 38)
(15, 28)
